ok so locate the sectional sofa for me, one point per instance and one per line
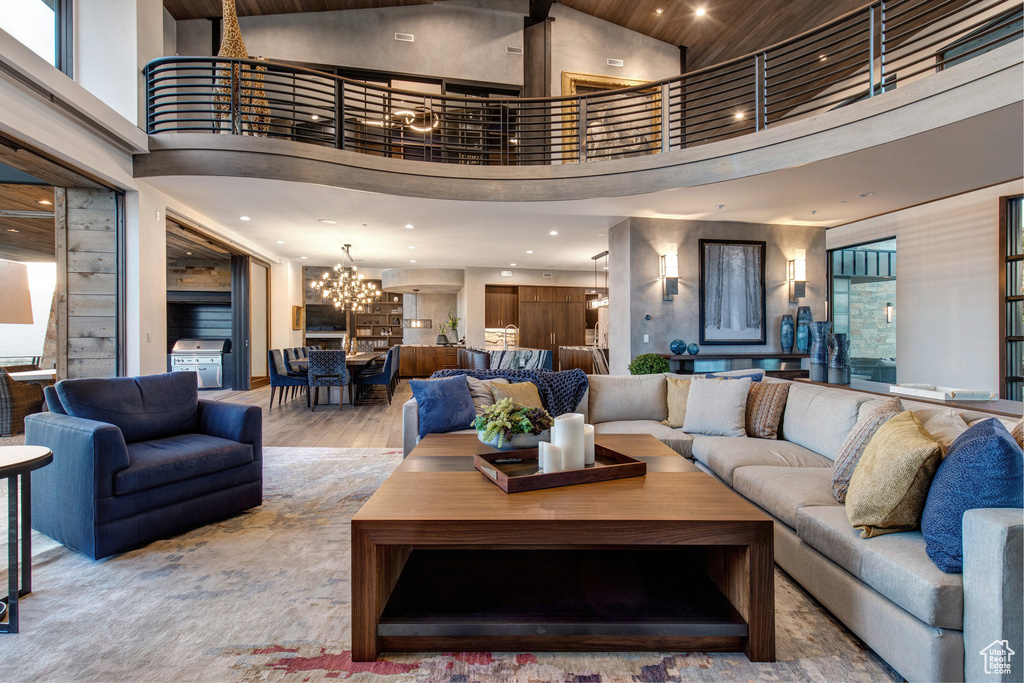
(928, 625)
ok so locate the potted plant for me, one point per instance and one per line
(649, 364)
(452, 323)
(508, 425)
(442, 340)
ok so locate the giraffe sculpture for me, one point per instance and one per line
(251, 106)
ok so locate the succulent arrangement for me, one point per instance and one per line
(649, 364)
(506, 418)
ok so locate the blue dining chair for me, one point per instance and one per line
(280, 377)
(380, 375)
(326, 369)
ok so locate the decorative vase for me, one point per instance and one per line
(839, 359)
(819, 351)
(803, 328)
(786, 334)
(442, 340)
(693, 349)
(678, 347)
(518, 440)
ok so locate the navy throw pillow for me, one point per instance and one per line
(143, 408)
(444, 405)
(754, 376)
(984, 468)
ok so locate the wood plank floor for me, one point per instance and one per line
(372, 425)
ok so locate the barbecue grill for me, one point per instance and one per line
(205, 357)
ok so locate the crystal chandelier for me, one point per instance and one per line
(346, 288)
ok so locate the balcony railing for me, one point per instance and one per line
(863, 54)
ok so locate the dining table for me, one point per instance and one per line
(354, 362)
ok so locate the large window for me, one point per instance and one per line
(44, 26)
(1011, 228)
(863, 305)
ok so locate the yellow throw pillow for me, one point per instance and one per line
(523, 393)
(678, 391)
(889, 487)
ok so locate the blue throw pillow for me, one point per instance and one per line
(754, 375)
(444, 405)
(984, 468)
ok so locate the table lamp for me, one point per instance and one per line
(16, 302)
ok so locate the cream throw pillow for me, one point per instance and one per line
(480, 390)
(890, 485)
(678, 391)
(945, 426)
(716, 407)
(523, 393)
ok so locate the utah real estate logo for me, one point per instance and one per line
(997, 657)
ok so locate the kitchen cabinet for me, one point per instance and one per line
(548, 325)
(552, 294)
(423, 361)
(501, 306)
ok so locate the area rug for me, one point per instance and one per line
(264, 596)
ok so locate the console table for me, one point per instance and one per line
(1002, 407)
(15, 462)
(780, 365)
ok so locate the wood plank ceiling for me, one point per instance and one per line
(729, 28)
(27, 239)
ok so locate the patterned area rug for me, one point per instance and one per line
(264, 596)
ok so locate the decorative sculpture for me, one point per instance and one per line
(240, 88)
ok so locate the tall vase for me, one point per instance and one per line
(786, 334)
(803, 328)
(819, 351)
(839, 359)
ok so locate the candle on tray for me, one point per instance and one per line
(569, 437)
(588, 444)
(550, 457)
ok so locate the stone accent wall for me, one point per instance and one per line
(870, 335)
(200, 275)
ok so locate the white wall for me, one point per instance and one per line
(170, 31)
(947, 260)
(285, 292)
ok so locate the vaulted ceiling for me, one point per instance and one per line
(729, 28)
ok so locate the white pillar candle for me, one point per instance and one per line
(550, 457)
(569, 437)
(588, 444)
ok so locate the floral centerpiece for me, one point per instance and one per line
(507, 425)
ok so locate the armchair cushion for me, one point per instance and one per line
(177, 458)
(143, 408)
(231, 421)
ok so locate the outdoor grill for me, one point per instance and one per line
(205, 357)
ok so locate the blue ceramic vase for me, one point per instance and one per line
(786, 334)
(678, 347)
(693, 349)
(819, 351)
(803, 329)
(839, 359)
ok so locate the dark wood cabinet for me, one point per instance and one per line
(552, 294)
(527, 293)
(501, 306)
(534, 325)
(568, 324)
(423, 361)
(547, 325)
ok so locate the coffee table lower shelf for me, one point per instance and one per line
(554, 600)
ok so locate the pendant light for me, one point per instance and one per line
(414, 322)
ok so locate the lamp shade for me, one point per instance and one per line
(800, 266)
(16, 302)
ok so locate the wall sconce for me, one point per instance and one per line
(797, 276)
(888, 313)
(669, 276)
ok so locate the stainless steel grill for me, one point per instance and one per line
(205, 357)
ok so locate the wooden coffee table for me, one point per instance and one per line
(442, 560)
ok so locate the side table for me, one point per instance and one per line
(17, 463)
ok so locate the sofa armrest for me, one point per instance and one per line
(993, 586)
(232, 421)
(410, 426)
(83, 450)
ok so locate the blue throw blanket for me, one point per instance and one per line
(560, 392)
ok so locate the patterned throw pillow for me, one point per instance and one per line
(765, 405)
(889, 487)
(678, 392)
(523, 393)
(1018, 432)
(856, 441)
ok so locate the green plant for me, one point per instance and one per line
(649, 364)
(506, 418)
(442, 327)
(453, 322)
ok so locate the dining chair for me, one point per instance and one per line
(281, 378)
(326, 369)
(379, 375)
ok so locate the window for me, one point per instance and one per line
(1011, 237)
(44, 26)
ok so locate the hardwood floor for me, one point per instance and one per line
(372, 425)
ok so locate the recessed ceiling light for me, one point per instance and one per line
(188, 253)
(553, 232)
(411, 246)
(823, 58)
(659, 11)
(13, 230)
(412, 260)
(244, 218)
(280, 241)
(529, 251)
(868, 194)
(303, 257)
(700, 12)
(513, 265)
(719, 206)
(44, 202)
(739, 115)
(408, 226)
(326, 221)
(315, 117)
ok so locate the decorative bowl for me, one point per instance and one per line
(518, 440)
(693, 349)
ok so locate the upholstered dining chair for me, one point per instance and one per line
(281, 378)
(380, 375)
(326, 369)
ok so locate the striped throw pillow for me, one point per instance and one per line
(766, 402)
(1018, 432)
(856, 441)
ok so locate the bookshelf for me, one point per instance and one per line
(379, 325)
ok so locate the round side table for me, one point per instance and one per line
(17, 463)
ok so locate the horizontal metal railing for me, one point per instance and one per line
(859, 55)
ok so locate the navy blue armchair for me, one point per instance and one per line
(136, 459)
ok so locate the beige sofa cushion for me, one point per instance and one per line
(895, 565)
(614, 398)
(781, 491)
(675, 439)
(818, 418)
(724, 454)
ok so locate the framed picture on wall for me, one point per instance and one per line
(298, 315)
(732, 307)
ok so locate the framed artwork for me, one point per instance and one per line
(298, 317)
(732, 307)
(618, 126)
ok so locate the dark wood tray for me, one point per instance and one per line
(515, 477)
